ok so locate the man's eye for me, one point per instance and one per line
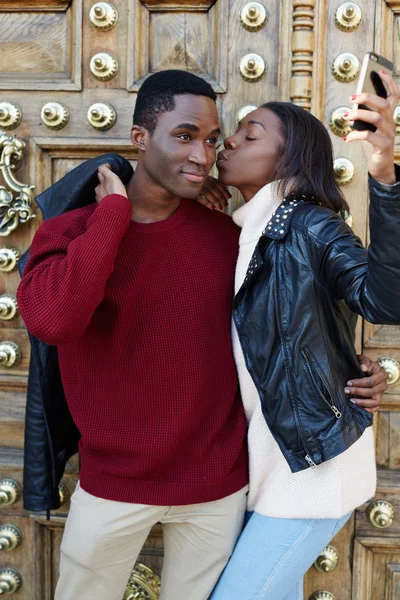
(184, 136)
(214, 141)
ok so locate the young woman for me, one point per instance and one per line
(302, 276)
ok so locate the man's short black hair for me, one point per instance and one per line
(156, 95)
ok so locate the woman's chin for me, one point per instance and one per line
(224, 178)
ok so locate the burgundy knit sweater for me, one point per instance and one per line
(141, 316)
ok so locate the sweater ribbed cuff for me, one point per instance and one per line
(118, 204)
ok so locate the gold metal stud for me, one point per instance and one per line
(380, 514)
(252, 67)
(10, 115)
(9, 258)
(103, 66)
(54, 115)
(344, 170)
(327, 560)
(322, 595)
(392, 368)
(8, 307)
(10, 492)
(144, 583)
(64, 492)
(10, 581)
(101, 116)
(348, 16)
(10, 355)
(345, 67)
(10, 537)
(253, 16)
(338, 124)
(103, 15)
(244, 111)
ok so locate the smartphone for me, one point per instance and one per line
(370, 82)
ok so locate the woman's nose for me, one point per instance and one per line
(230, 143)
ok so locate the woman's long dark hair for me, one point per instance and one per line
(306, 164)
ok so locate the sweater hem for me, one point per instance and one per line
(159, 493)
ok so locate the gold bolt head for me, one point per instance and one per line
(100, 12)
(96, 114)
(253, 13)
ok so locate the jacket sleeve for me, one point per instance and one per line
(65, 278)
(368, 280)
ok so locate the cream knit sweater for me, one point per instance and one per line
(329, 490)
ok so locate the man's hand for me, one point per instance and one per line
(379, 144)
(214, 195)
(371, 388)
(110, 183)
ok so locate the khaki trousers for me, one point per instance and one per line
(103, 539)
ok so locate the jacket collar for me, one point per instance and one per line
(279, 224)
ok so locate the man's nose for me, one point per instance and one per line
(199, 154)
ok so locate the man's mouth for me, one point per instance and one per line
(195, 177)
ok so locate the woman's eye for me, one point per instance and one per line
(250, 139)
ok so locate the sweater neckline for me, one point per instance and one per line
(159, 226)
(253, 216)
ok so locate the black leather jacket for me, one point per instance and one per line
(51, 437)
(295, 316)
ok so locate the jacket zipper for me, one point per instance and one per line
(332, 406)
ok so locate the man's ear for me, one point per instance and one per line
(139, 137)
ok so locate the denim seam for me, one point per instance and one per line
(306, 532)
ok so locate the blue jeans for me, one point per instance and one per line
(271, 557)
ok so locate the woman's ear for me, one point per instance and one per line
(139, 137)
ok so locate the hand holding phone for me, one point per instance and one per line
(370, 82)
(372, 117)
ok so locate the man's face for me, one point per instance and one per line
(182, 149)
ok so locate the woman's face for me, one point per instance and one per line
(251, 154)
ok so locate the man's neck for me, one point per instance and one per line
(150, 201)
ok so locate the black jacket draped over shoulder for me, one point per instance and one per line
(51, 436)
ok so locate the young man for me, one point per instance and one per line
(136, 293)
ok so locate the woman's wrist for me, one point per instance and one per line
(388, 178)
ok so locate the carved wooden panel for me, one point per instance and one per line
(376, 569)
(196, 41)
(41, 50)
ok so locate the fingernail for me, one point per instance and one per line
(347, 390)
(345, 114)
(384, 72)
(349, 383)
(353, 96)
(364, 367)
(353, 401)
(345, 138)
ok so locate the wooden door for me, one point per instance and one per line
(69, 73)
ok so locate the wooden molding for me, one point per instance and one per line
(34, 5)
(394, 5)
(186, 5)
